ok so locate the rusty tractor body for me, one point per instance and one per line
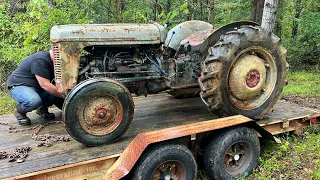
(237, 69)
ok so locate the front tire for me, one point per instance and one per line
(233, 153)
(244, 73)
(98, 111)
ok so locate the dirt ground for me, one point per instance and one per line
(310, 102)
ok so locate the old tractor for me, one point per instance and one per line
(239, 68)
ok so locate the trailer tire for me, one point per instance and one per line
(244, 73)
(231, 154)
(98, 111)
(166, 160)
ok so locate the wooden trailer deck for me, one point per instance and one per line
(72, 159)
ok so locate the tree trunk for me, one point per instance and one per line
(168, 6)
(120, 8)
(201, 9)
(269, 15)
(155, 10)
(253, 10)
(280, 16)
(299, 8)
(17, 6)
(211, 12)
(51, 3)
(260, 6)
(256, 10)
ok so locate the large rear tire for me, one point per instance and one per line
(98, 111)
(244, 73)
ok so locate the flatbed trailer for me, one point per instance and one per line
(158, 118)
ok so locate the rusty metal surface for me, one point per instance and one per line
(197, 38)
(183, 30)
(134, 150)
(237, 156)
(170, 170)
(151, 113)
(100, 115)
(92, 169)
(109, 34)
(66, 64)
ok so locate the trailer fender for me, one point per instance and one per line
(183, 30)
(264, 133)
(200, 41)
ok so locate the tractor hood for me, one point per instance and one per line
(109, 34)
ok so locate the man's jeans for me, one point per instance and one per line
(31, 98)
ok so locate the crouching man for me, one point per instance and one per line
(30, 85)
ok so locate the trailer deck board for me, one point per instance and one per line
(151, 113)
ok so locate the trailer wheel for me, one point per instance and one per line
(244, 73)
(231, 154)
(166, 163)
(98, 111)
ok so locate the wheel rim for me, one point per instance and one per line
(100, 114)
(252, 78)
(169, 170)
(238, 158)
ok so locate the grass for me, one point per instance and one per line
(6, 103)
(303, 83)
(297, 157)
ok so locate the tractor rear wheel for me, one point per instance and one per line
(244, 73)
(98, 111)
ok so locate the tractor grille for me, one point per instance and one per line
(57, 62)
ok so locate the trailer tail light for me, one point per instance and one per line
(314, 120)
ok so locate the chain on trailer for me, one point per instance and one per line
(20, 153)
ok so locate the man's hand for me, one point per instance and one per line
(58, 85)
(50, 88)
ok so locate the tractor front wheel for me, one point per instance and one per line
(98, 111)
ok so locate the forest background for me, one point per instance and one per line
(25, 24)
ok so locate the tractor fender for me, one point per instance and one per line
(200, 41)
(183, 30)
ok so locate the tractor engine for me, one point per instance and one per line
(138, 68)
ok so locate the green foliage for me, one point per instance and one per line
(231, 10)
(302, 83)
(7, 104)
(296, 158)
(303, 49)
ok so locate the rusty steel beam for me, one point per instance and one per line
(296, 124)
(134, 150)
(81, 170)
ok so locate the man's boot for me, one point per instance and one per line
(21, 116)
(43, 112)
